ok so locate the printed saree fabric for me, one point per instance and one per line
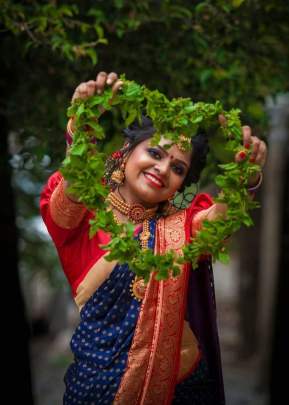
(132, 352)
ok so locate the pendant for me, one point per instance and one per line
(136, 213)
(138, 288)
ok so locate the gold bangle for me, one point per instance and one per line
(69, 127)
(253, 188)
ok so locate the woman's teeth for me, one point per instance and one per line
(153, 180)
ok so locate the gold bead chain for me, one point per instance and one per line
(145, 235)
(137, 286)
(136, 213)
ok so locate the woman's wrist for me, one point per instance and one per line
(257, 183)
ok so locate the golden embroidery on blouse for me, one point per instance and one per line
(65, 213)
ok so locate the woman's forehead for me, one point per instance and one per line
(173, 149)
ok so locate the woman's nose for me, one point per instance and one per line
(163, 167)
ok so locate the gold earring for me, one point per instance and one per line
(118, 175)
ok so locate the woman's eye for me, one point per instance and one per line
(154, 153)
(178, 170)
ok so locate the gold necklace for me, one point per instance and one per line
(138, 286)
(136, 213)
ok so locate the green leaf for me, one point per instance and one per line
(237, 3)
(84, 168)
(78, 150)
(93, 55)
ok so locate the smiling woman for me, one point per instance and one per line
(140, 343)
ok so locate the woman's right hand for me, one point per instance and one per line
(83, 91)
(103, 79)
(92, 87)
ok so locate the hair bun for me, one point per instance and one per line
(136, 128)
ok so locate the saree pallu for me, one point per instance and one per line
(154, 360)
(129, 353)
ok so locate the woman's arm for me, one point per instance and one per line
(83, 91)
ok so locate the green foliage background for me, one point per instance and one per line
(235, 51)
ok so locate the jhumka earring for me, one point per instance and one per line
(117, 175)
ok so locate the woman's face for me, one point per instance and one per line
(153, 173)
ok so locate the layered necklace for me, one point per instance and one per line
(136, 213)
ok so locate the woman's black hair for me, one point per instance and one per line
(138, 132)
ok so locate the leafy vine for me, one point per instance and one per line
(177, 119)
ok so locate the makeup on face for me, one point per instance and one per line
(154, 173)
(158, 152)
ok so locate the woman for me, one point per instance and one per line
(136, 343)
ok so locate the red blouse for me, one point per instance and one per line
(77, 252)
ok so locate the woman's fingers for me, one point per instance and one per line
(111, 78)
(100, 82)
(117, 85)
(255, 148)
(247, 136)
(88, 89)
(80, 91)
(259, 154)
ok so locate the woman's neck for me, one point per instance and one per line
(130, 198)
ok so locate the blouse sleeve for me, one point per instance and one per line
(200, 203)
(68, 225)
(61, 215)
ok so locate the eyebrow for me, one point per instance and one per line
(179, 160)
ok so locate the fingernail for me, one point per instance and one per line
(109, 81)
(98, 91)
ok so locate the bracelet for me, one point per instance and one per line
(69, 133)
(253, 188)
(69, 127)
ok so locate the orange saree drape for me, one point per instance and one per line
(155, 355)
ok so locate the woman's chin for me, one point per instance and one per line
(148, 196)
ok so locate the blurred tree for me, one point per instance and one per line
(207, 50)
(227, 50)
(280, 350)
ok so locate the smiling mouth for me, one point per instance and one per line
(153, 180)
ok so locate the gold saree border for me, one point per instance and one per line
(154, 358)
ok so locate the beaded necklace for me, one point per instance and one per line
(136, 213)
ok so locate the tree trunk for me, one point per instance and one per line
(249, 263)
(280, 350)
(15, 328)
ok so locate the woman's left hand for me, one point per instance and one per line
(258, 152)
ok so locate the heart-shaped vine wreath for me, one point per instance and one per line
(85, 164)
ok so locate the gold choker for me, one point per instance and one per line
(136, 213)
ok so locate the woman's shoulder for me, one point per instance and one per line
(201, 201)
